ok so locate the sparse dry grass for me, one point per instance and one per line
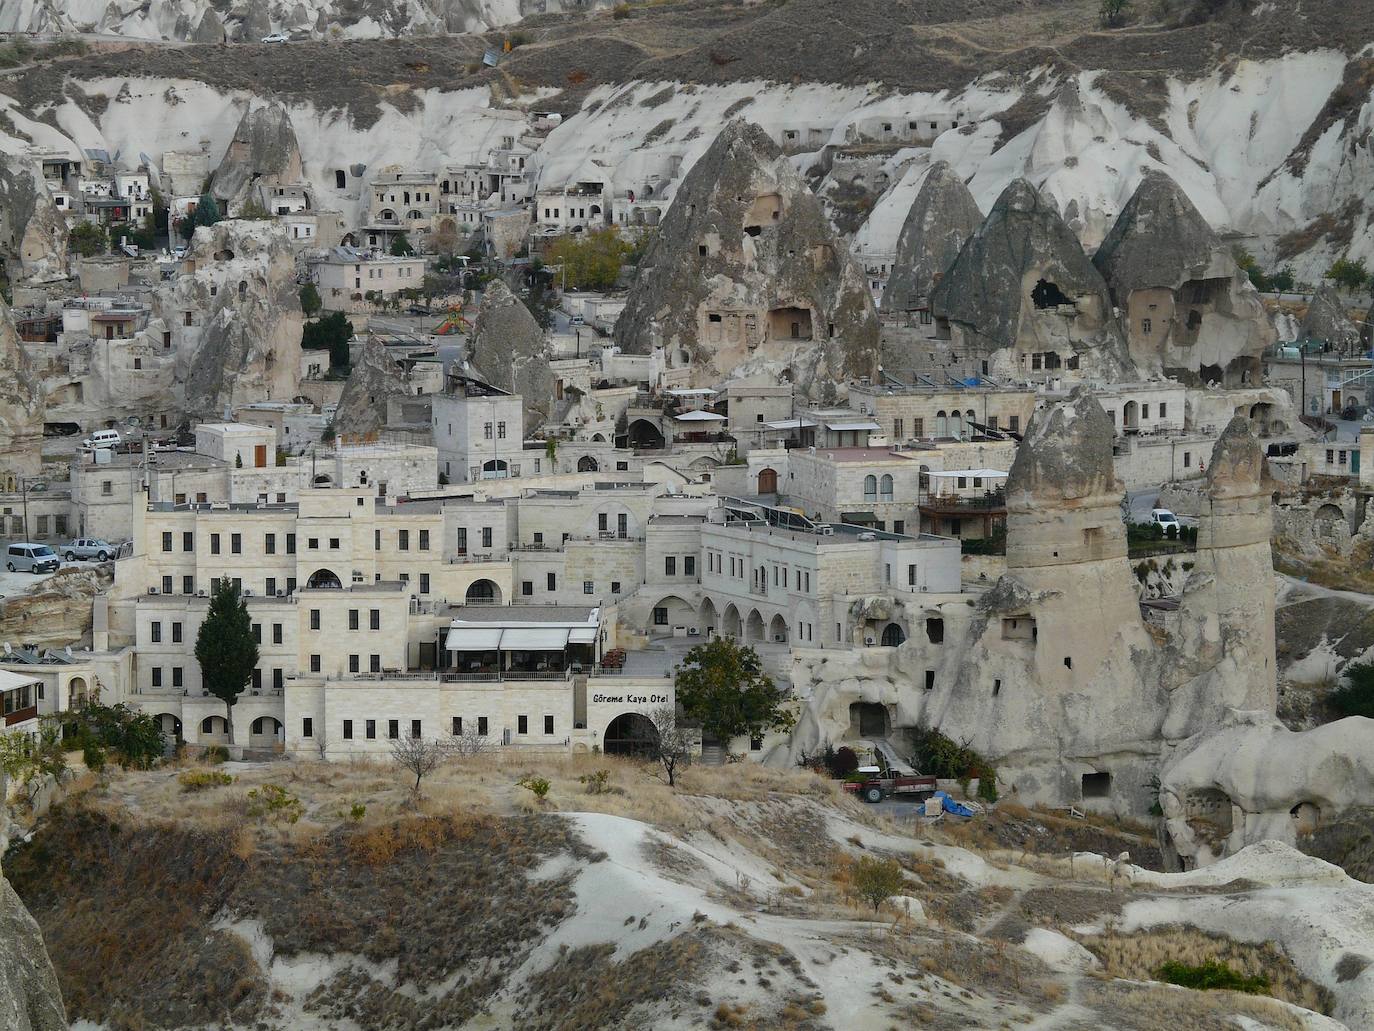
(1138, 955)
(1128, 1006)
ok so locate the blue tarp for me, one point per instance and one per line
(950, 806)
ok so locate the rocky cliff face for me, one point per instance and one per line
(33, 236)
(510, 351)
(30, 999)
(1190, 310)
(263, 152)
(374, 378)
(56, 611)
(943, 215)
(746, 276)
(244, 341)
(1327, 320)
(21, 404)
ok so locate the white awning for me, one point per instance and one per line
(582, 635)
(843, 427)
(473, 639)
(789, 424)
(986, 474)
(692, 392)
(700, 417)
(534, 639)
(10, 681)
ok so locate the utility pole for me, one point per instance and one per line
(24, 490)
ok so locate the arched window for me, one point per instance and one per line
(870, 487)
(940, 428)
(886, 488)
(893, 635)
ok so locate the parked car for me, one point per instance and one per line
(1164, 519)
(30, 558)
(102, 439)
(89, 547)
(277, 37)
(578, 320)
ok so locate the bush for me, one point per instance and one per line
(844, 763)
(215, 755)
(1355, 697)
(93, 755)
(1212, 975)
(539, 785)
(356, 812)
(88, 239)
(598, 783)
(877, 880)
(274, 802)
(620, 11)
(200, 780)
(937, 755)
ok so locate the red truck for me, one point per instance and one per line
(882, 783)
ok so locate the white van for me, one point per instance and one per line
(30, 558)
(102, 438)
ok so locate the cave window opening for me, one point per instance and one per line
(1097, 785)
(935, 630)
(340, 180)
(753, 230)
(1048, 295)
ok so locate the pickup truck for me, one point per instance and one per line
(89, 547)
(880, 783)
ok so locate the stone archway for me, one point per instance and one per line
(324, 578)
(731, 624)
(482, 592)
(893, 636)
(630, 733)
(753, 628)
(708, 617)
(265, 732)
(587, 464)
(777, 630)
(768, 481)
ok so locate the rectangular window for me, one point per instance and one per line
(403, 540)
(457, 726)
(374, 663)
(911, 576)
(270, 586)
(313, 543)
(353, 665)
(333, 544)
(548, 724)
(689, 565)
(1014, 423)
(670, 566)
(930, 680)
(552, 582)
(462, 540)
(486, 431)
(290, 543)
(424, 583)
(307, 727)
(424, 540)
(157, 676)
(348, 730)
(314, 619)
(1163, 409)
(314, 664)
(176, 676)
(500, 431)
(376, 540)
(414, 728)
(167, 585)
(236, 544)
(526, 588)
(188, 541)
(481, 726)
(615, 586)
(601, 522)
(156, 630)
(522, 724)
(176, 633)
(588, 587)
(374, 618)
(188, 585)
(167, 540)
(353, 619)
(393, 729)
(269, 544)
(257, 632)
(276, 633)
(486, 536)
(660, 616)
(370, 729)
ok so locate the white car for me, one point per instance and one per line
(1164, 519)
(277, 37)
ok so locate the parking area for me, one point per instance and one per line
(18, 583)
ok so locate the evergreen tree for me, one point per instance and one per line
(400, 247)
(225, 647)
(723, 685)
(310, 300)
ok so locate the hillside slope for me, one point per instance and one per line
(726, 903)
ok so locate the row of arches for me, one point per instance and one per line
(751, 626)
(479, 592)
(874, 488)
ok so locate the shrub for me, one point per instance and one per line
(215, 754)
(1211, 975)
(1355, 697)
(598, 783)
(93, 755)
(356, 812)
(200, 780)
(844, 763)
(539, 785)
(620, 12)
(877, 880)
(937, 755)
(274, 802)
(1348, 274)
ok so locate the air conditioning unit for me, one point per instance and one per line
(247, 593)
(281, 593)
(693, 631)
(779, 638)
(825, 530)
(924, 588)
(152, 590)
(202, 593)
(870, 642)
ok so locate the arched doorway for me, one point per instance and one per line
(324, 480)
(630, 734)
(170, 726)
(214, 730)
(893, 635)
(868, 719)
(1330, 519)
(76, 692)
(324, 578)
(777, 630)
(495, 469)
(730, 624)
(669, 613)
(265, 732)
(483, 592)
(707, 617)
(768, 481)
(753, 629)
(645, 435)
(587, 464)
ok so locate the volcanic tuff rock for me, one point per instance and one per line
(374, 378)
(1066, 455)
(941, 218)
(510, 351)
(746, 275)
(1327, 320)
(1188, 304)
(263, 152)
(30, 998)
(1022, 285)
(210, 29)
(56, 611)
(244, 343)
(21, 404)
(33, 236)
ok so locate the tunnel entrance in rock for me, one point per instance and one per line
(1048, 295)
(1307, 817)
(1097, 785)
(1210, 375)
(224, 255)
(868, 719)
(1209, 808)
(789, 323)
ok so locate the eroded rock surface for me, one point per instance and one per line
(262, 152)
(1328, 321)
(747, 276)
(375, 377)
(941, 218)
(21, 404)
(30, 998)
(33, 236)
(510, 351)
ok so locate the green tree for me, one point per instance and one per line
(253, 209)
(1283, 280)
(330, 333)
(310, 300)
(135, 738)
(1355, 697)
(722, 684)
(590, 261)
(205, 213)
(877, 880)
(1114, 12)
(225, 647)
(400, 247)
(88, 239)
(1350, 275)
